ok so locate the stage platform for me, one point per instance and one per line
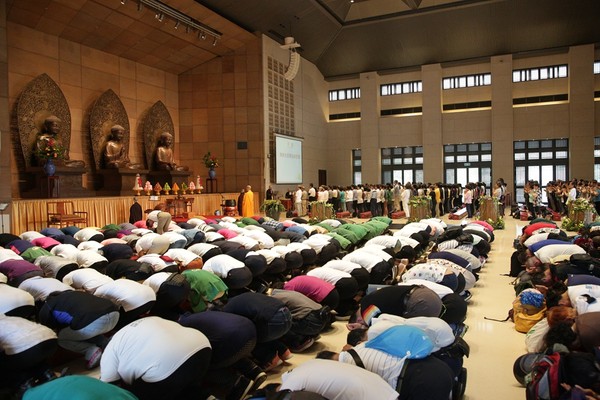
(30, 214)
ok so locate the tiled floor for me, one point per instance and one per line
(494, 345)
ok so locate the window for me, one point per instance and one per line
(540, 73)
(356, 167)
(464, 163)
(344, 94)
(391, 89)
(459, 82)
(541, 160)
(596, 67)
(404, 164)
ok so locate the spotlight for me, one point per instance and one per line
(187, 29)
(140, 6)
(161, 17)
(215, 42)
(177, 25)
(123, 1)
(203, 35)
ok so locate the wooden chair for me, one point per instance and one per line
(61, 213)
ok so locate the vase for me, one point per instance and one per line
(212, 173)
(49, 167)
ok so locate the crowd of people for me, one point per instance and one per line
(209, 307)
(385, 199)
(557, 286)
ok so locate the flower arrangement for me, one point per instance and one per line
(210, 161)
(51, 150)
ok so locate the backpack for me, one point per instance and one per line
(545, 378)
(526, 316)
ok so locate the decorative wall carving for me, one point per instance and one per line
(157, 121)
(41, 98)
(107, 111)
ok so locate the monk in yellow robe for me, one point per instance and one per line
(248, 202)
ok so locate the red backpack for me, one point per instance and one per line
(546, 376)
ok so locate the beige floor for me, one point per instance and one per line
(494, 345)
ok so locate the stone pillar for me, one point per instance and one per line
(369, 127)
(502, 121)
(581, 112)
(433, 143)
(5, 142)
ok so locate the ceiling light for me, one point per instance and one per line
(177, 24)
(161, 17)
(203, 36)
(187, 29)
(123, 1)
(215, 42)
(140, 6)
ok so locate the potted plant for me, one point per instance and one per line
(272, 208)
(211, 162)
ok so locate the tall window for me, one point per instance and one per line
(596, 67)
(540, 160)
(465, 81)
(404, 164)
(344, 94)
(391, 89)
(597, 158)
(540, 73)
(468, 162)
(356, 167)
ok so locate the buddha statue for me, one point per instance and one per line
(114, 151)
(50, 135)
(164, 154)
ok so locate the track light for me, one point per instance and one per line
(215, 42)
(123, 1)
(191, 25)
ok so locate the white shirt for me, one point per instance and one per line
(31, 235)
(342, 265)
(298, 196)
(19, 334)
(155, 280)
(12, 298)
(7, 254)
(246, 241)
(579, 302)
(87, 279)
(270, 255)
(182, 256)
(383, 364)
(386, 241)
(126, 293)
(317, 241)
(86, 233)
(40, 287)
(150, 348)
(201, 248)
(264, 240)
(221, 264)
(157, 263)
(337, 381)
(440, 290)
(86, 258)
(554, 253)
(363, 258)
(90, 245)
(377, 251)
(328, 274)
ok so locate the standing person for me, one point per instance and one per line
(497, 194)
(135, 212)
(248, 202)
(269, 194)
(240, 202)
(468, 199)
(397, 194)
(405, 196)
(304, 201)
(350, 200)
(298, 200)
(312, 194)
